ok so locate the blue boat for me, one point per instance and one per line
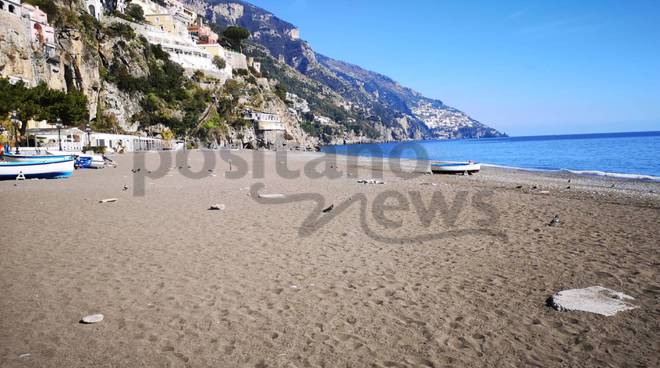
(36, 169)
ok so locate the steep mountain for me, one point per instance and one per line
(370, 105)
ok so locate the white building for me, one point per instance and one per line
(94, 8)
(75, 140)
(11, 7)
(254, 64)
(236, 59)
(182, 50)
(149, 7)
(264, 120)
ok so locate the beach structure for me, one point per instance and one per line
(268, 127)
(76, 140)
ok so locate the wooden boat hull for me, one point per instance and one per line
(43, 169)
(455, 167)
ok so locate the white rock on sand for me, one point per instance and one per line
(93, 318)
(272, 196)
(594, 299)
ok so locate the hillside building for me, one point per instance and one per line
(202, 34)
(40, 30)
(11, 7)
(94, 8)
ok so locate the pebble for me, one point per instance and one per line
(217, 207)
(555, 221)
(92, 318)
(108, 200)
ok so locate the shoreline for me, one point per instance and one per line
(607, 186)
(654, 176)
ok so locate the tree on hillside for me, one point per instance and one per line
(136, 12)
(236, 35)
(42, 103)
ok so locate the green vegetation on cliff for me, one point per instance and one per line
(42, 103)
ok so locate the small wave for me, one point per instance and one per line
(520, 168)
(615, 175)
(583, 172)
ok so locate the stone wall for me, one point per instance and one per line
(236, 60)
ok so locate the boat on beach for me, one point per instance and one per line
(37, 169)
(454, 167)
(12, 157)
(82, 160)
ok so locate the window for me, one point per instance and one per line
(12, 9)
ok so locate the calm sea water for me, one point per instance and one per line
(634, 155)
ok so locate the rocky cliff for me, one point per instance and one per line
(132, 86)
(371, 105)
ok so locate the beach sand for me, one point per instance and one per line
(359, 286)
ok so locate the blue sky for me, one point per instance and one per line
(524, 67)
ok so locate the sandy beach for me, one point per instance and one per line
(272, 282)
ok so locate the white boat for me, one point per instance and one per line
(12, 157)
(453, 167)
(41, 169)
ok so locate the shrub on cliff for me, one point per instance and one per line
(135, 12)
(219, 62)
(117, 29)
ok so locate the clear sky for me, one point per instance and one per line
(524, 67)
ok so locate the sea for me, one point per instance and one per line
(634, 155)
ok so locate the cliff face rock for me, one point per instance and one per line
(72, 65)
(22, 59)
(80, 65)
(394, 111)
(121, 105)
